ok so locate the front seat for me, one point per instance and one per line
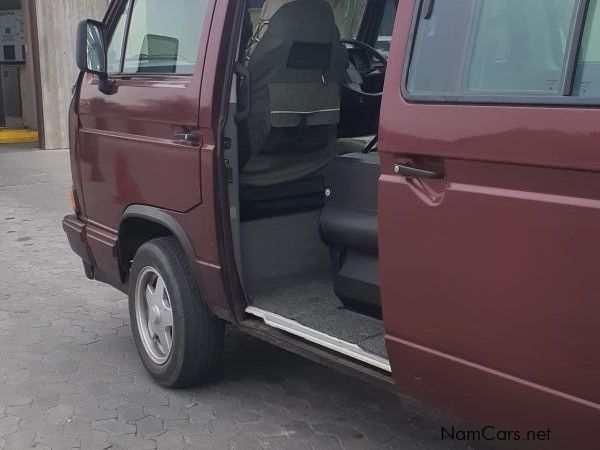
(296, 64)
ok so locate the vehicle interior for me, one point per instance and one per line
(304, 168)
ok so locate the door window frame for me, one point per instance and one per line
(564, 98)
(111, 21)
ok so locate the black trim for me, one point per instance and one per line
(159, 217)
(126, 35)
(243, 90)
(81, 54)
(372, 20)
(428, 9)
(573, 47)
(415, 172)
(110, 20)
(491, 99)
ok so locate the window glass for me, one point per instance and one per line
(386, 29)
(115, 45)
(491, 47)
(164, 36)
(587, 77)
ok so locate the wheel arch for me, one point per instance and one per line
(140, 224)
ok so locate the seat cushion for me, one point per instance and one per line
(282, 199)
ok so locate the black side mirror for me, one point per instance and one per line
(91, 51)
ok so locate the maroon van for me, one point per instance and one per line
(407, 189)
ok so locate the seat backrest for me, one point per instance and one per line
(296, 63)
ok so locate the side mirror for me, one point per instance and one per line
(91, 48)
(91, 53)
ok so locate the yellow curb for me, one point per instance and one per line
(18, 136)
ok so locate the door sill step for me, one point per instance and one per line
(322, 339)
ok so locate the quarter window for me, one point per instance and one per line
(491, 47)
(164, 36)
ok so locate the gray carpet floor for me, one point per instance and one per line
(314, 304)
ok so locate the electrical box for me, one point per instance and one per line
(12, 37)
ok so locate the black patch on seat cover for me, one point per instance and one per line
(309, 56)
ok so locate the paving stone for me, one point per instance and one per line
(166, 413)
(322, 442)
(170, 440)
(261, 429)
(131, 442)
(114, 427)
(208, 442)
(339, 431)
(298, 430)
(94, 413)
(59, 442)
(131, 413)
(243, 442)
(46, 400)
(20, 440)
(187, 428)
(202, 413)
(94, 440)
(60, 414)
(77, 426)
(19, 401)
(8, 426)
(150, 427)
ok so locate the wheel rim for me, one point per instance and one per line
(154, 315)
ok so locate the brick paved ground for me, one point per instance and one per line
(70, 376)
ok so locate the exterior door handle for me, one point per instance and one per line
(414, 172)
(189, 136)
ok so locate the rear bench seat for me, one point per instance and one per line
(349, 226)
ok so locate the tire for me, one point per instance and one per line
(189, 351)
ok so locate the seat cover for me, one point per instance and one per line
(296, 63)
(270, 7)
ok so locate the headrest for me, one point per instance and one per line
(269, 9)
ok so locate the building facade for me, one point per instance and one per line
(37, 64)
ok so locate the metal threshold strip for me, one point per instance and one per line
(322, 339)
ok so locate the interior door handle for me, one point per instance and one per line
(414, 172)
(243, 87)
(189, 136)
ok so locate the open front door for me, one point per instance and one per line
(489, 214)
